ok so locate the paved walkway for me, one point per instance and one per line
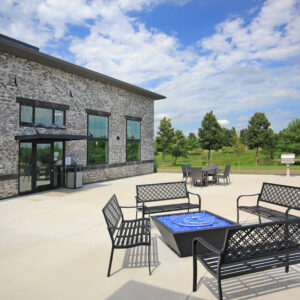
(55, 245)
(261, 172)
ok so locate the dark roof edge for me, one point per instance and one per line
(50, 61)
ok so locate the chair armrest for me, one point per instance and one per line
(206, 245)
(239, 197)
(288, 211)
(199, 198)
(138, 199)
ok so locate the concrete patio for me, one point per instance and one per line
(55, 245)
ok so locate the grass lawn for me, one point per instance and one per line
(247, 161)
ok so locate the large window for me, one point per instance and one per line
(97, 151)
(133, 140)
(43, 116)
(39, 116)
(25, 164)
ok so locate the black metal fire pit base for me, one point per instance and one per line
(181, 242)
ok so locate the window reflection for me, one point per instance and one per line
(133, 143)
(98, 146)
(98, 126)
(26, 114)
(59, 118)
(97, 152)
(25, 167)
(43, 116)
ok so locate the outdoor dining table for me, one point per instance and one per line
(210, 171)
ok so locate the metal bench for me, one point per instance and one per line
(279, 195)
(125, 233)
(145, 194)
(250, 249)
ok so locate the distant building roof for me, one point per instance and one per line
(32, 53)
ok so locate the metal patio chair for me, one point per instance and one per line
(125, 233)
(186, 171)
(225, 175)
(199, 178)
(214, 172)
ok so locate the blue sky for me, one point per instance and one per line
(235, 57)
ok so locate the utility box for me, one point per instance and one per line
(74, 176)
(288, 159)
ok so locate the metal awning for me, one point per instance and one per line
(56, 137)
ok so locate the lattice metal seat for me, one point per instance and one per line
(278, 195)
(250, 249)
(164, 191)
(125, 233)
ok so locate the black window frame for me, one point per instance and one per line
(42, 104)
(137, 119)
(94, 139)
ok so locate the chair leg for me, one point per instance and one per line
(149, 257)
(220, 289)
(110, 261)
(194, 273)
(287, 269)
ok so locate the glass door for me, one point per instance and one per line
(43, 168)
(25, 168)
(58, 155)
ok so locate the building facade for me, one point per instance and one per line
(53, 112)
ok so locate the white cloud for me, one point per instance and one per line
(230, 72)
(223, 122)
(244, 118)
(158, 117)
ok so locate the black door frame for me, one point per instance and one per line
(34, 188)
(45, 187)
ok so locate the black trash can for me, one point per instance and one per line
(74, 176)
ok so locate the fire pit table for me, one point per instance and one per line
(179, 230)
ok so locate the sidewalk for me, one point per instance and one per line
(262, 172)
(55, 245)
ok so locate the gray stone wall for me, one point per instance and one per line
(39, 82)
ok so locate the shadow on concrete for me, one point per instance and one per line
(256, 284)
(137, 290)
(137, 257)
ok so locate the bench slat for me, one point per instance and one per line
(249, 266)
(169, 207)
(266, 212)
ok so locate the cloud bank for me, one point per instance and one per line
(241, 68)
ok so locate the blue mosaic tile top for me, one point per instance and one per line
(192, 221)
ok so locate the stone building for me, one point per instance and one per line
(53, 113)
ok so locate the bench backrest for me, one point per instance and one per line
(259, 240)
(283, 195)
(161, 191)
(113, 214)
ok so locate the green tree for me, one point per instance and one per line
(179, 146)
(192, 141)
(228, 136)
(237, 147)
(210, 134)
(270, 144)
(289, 138)
(164, 137)
(257, 132)
(243, 136)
